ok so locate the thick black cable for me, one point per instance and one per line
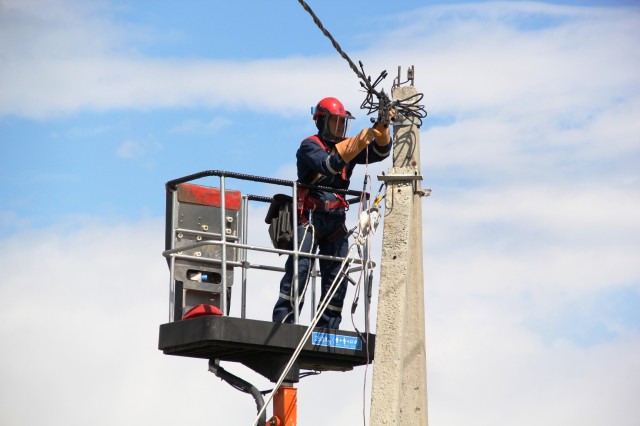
(241, 385)
(375, 101)
(334, 42)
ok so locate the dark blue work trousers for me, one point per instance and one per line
(329, 238)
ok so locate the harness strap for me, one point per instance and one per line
(310, 203)
(317, 140)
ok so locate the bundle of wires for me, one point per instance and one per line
(378, 102)
(375, 101)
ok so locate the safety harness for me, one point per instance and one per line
(307, 202)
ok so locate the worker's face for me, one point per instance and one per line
(338, 126)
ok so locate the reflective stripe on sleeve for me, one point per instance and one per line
(378, 152)
(331, 169)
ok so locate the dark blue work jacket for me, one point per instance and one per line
(319, 163)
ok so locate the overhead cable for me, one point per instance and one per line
(375, 101)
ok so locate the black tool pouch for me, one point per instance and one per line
(280, 220)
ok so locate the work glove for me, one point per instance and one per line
(350, 147)
(383, 129)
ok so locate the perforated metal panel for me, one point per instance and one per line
(197, 218)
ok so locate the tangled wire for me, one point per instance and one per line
(376, 101)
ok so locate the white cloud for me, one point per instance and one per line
(484, 57)
(485, 368)
(91, 296)
(80, 328)
(575, 240)
(191, 126)
(564, 69)
(519, 308)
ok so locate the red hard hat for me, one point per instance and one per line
(330, 106)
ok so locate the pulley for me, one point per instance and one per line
(368, 223)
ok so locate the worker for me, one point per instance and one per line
(327, 159)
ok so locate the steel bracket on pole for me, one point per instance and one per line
(399, 178)
(408, 178)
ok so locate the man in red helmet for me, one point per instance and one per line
(327, 159)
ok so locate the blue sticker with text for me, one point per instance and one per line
(336, 341)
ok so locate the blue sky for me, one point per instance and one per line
(531, 236)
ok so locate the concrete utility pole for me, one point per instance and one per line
(399, 388)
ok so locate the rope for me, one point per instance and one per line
(364, 206)
(325, 302)
(309, 270)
